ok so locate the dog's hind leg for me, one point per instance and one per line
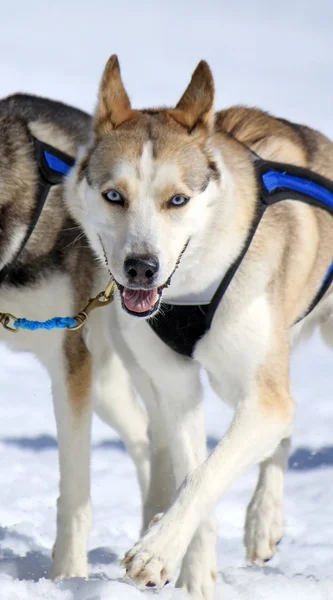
(264, 518)
(71, 386)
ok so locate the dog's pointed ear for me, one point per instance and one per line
(196, 106)
(113, 106)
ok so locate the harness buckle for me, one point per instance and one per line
(102, 299)
(5, 320)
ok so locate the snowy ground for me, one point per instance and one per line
(275, 55)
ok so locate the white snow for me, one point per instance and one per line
(278, 56)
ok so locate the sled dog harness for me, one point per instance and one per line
(53, 165)
(180, 326)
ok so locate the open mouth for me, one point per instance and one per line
(143, 302)
(140, 302)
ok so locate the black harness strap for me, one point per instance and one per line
(181, 327)
(52, 165)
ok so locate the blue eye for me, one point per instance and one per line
(178, 200)
(114, 196)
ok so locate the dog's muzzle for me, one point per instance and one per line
(140, 298)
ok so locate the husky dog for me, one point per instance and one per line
(170, 200)
(55, 274)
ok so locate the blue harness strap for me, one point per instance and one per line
(52, 163)
(329, 275)
(57, 164)
(180, 326)
(276, 180)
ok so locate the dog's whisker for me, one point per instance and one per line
(72, 228)
(77, 239)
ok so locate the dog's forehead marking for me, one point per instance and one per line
(139, 171)
(167, 175)
(125, 169)
(146, 167)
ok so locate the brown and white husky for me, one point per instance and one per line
(168, 199)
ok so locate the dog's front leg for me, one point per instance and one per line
(261, 421)
(71, 386)
(181, 413)
(264, 516)
(198, 573)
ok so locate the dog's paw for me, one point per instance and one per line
(145, 568)
(199, 585)
(153, 560)
(68, 569)
(199, 569)
(263, 526)
(67, 565)
(198, 578)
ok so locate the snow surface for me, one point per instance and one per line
(276, 55)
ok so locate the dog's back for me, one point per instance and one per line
(48, 114)
(278, 139)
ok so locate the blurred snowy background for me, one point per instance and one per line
(275, 55)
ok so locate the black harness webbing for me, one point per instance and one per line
(52, 165)
(181, 327)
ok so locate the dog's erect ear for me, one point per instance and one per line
(113, 107)
(196, 106)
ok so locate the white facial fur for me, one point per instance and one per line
(145, 226)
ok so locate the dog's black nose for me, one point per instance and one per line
(141, 269)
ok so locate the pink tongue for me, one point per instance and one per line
(140, 300)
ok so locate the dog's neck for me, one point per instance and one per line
(219, 242)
